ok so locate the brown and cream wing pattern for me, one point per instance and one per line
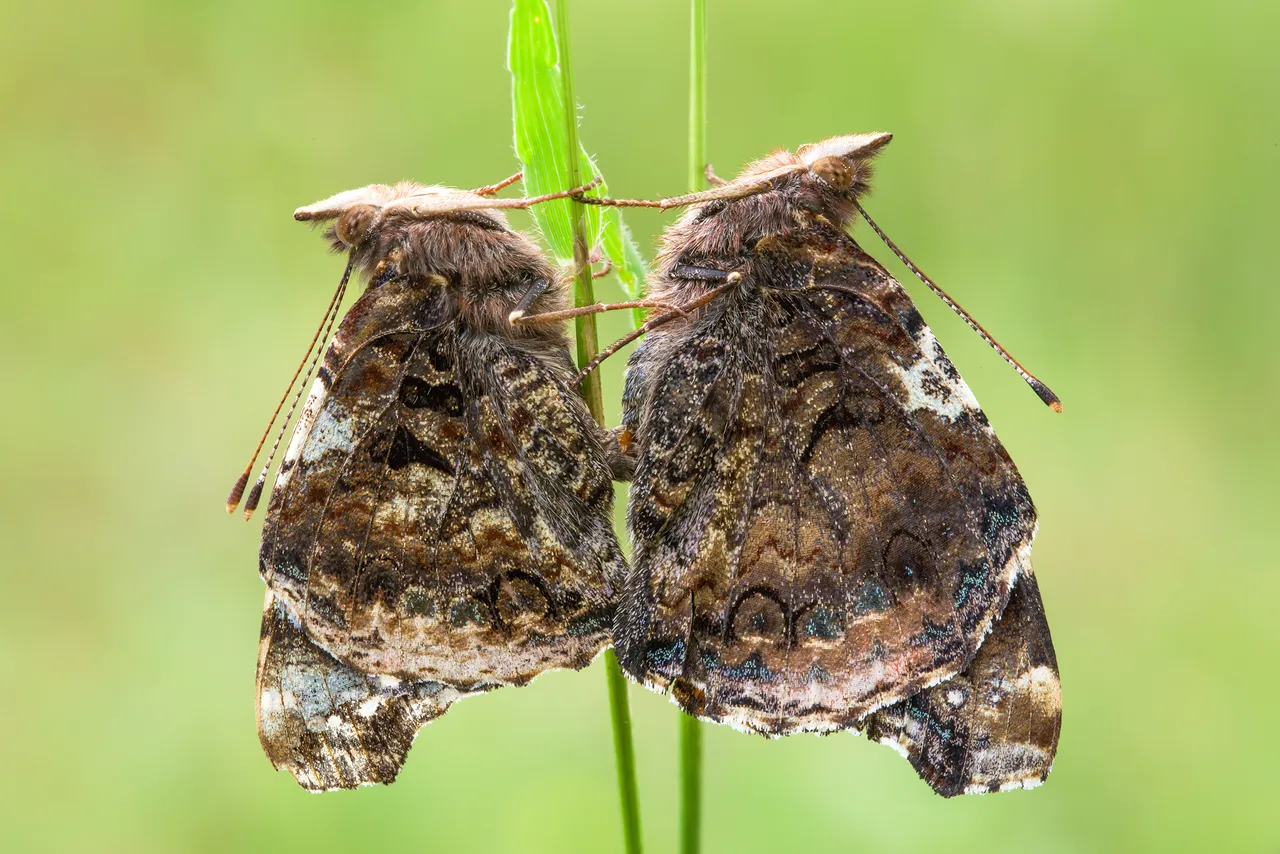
(994, 726)
(824, 522)
(329, 725)
(443, 513)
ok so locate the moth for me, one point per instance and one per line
(826, 529)
(441, 523)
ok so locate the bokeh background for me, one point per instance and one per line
(1096, 181)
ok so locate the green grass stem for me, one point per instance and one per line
(690, 729)
(588, 346)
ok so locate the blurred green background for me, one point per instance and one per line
(1096, 181)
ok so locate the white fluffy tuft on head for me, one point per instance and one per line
(853, 146)
(376, 195)
(380, 196)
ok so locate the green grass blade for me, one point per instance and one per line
(538, 113)
(537, 99)
(697, 95)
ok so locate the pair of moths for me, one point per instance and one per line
(828, 534)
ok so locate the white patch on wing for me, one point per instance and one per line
(305, 420)
(270, 703)
(1007, 766)
(900, 747)
(328, 434)
(1042, 686)
(928, 387)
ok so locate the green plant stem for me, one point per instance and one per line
(690, 784)
(690, 729)
(583, 292)
(697, 95)
(588, 346)
(624, 752)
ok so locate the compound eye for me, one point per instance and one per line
(836, 171)
(354, 223)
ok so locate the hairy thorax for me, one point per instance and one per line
(724, 235)
(484, 267)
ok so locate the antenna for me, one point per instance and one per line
(326, 323)
(1042, 391)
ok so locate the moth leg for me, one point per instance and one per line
(624, 341)
(493, 188)
(537, 289)
(654, 322)
(711, 177)
(530, 201)
(594, 308)
(424, 205)
(704, 274)
(726, 191)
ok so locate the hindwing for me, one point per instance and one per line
(331, 726)
(994, 726)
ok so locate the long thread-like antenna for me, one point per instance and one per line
(326, 322)
(251, 503)
(1042, 391)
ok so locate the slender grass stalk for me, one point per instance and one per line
(690, 784)
(588, 346)
(690, 729)
(583, 292)
(697, 95)
(624, 752)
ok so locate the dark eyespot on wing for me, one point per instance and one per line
(397, 448)
(418, 393)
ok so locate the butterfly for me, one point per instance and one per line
(441, 523)
(826, 529)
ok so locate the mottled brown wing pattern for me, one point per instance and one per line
(994, 726)
(444, 511)
(329, 725)
(824, 522)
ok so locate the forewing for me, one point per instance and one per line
(329, 725)
(825, 524)
(444, 512)
(994, 726)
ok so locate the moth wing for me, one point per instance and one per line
(444, 510)
(330, 726)
(994, 726)
(825, 523)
